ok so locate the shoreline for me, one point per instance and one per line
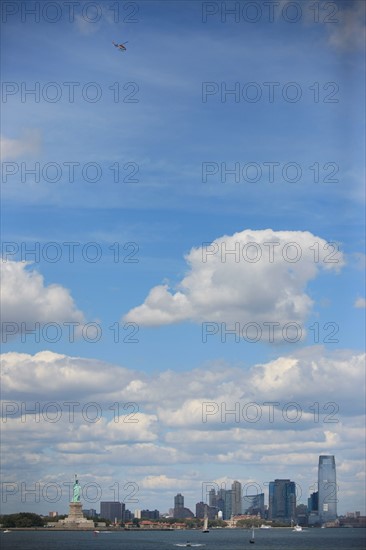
(144, 530)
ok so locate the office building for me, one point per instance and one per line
(313, 502)
(236, 505)
(150, 514)
(180, 512)
(114, 511)
(327, 489)
(212, 498)
(204, 510)
(179, 501)
(225, 503)
(282, 500)
(253, 505)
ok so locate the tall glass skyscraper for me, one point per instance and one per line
(327, 489)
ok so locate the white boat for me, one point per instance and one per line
(264, 526)
(297, 528)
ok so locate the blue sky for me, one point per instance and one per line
(175, 141)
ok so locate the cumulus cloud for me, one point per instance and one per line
(61, 377)
(26, 300)
(312, 372)
(249, 277)
(28, 144)
(180, 400)
(209, 397)
(169, 432)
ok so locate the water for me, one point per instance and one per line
(218, 539)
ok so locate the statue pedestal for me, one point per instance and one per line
(75, 519)
(75, 512)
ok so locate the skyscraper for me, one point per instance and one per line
(236, 506)
(282, 500)
(313, 502)
(179, 501)
(180, 512)
(212, 498)
(327, 489)
(225, 502)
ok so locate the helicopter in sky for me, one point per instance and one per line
(121, 47)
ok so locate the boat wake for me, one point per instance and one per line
(189, 544)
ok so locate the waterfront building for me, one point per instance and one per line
(212, 498)
(150, 514)
(180, 512)
(282, 500)
(254, 505)
(204, 510)
(179, 501)
(236, 505)
(313, 502)
(127, 515)
(112, 510)
(327, 489)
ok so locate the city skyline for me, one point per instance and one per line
(182, 271)
(279, 497)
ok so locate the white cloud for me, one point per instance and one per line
(163, 482)
(264, 281)
(170, 433)
(360, 303)
(28, 144)
(314, 373)
(60, 377)
(176, 399)
(26, 299)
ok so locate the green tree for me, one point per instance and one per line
(22, 519)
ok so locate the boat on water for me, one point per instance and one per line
(264, 526)
(189, 544)
(7, 531)
(296, 528)
(205, 525)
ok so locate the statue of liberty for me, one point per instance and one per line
(76, 491)
(75, 518)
